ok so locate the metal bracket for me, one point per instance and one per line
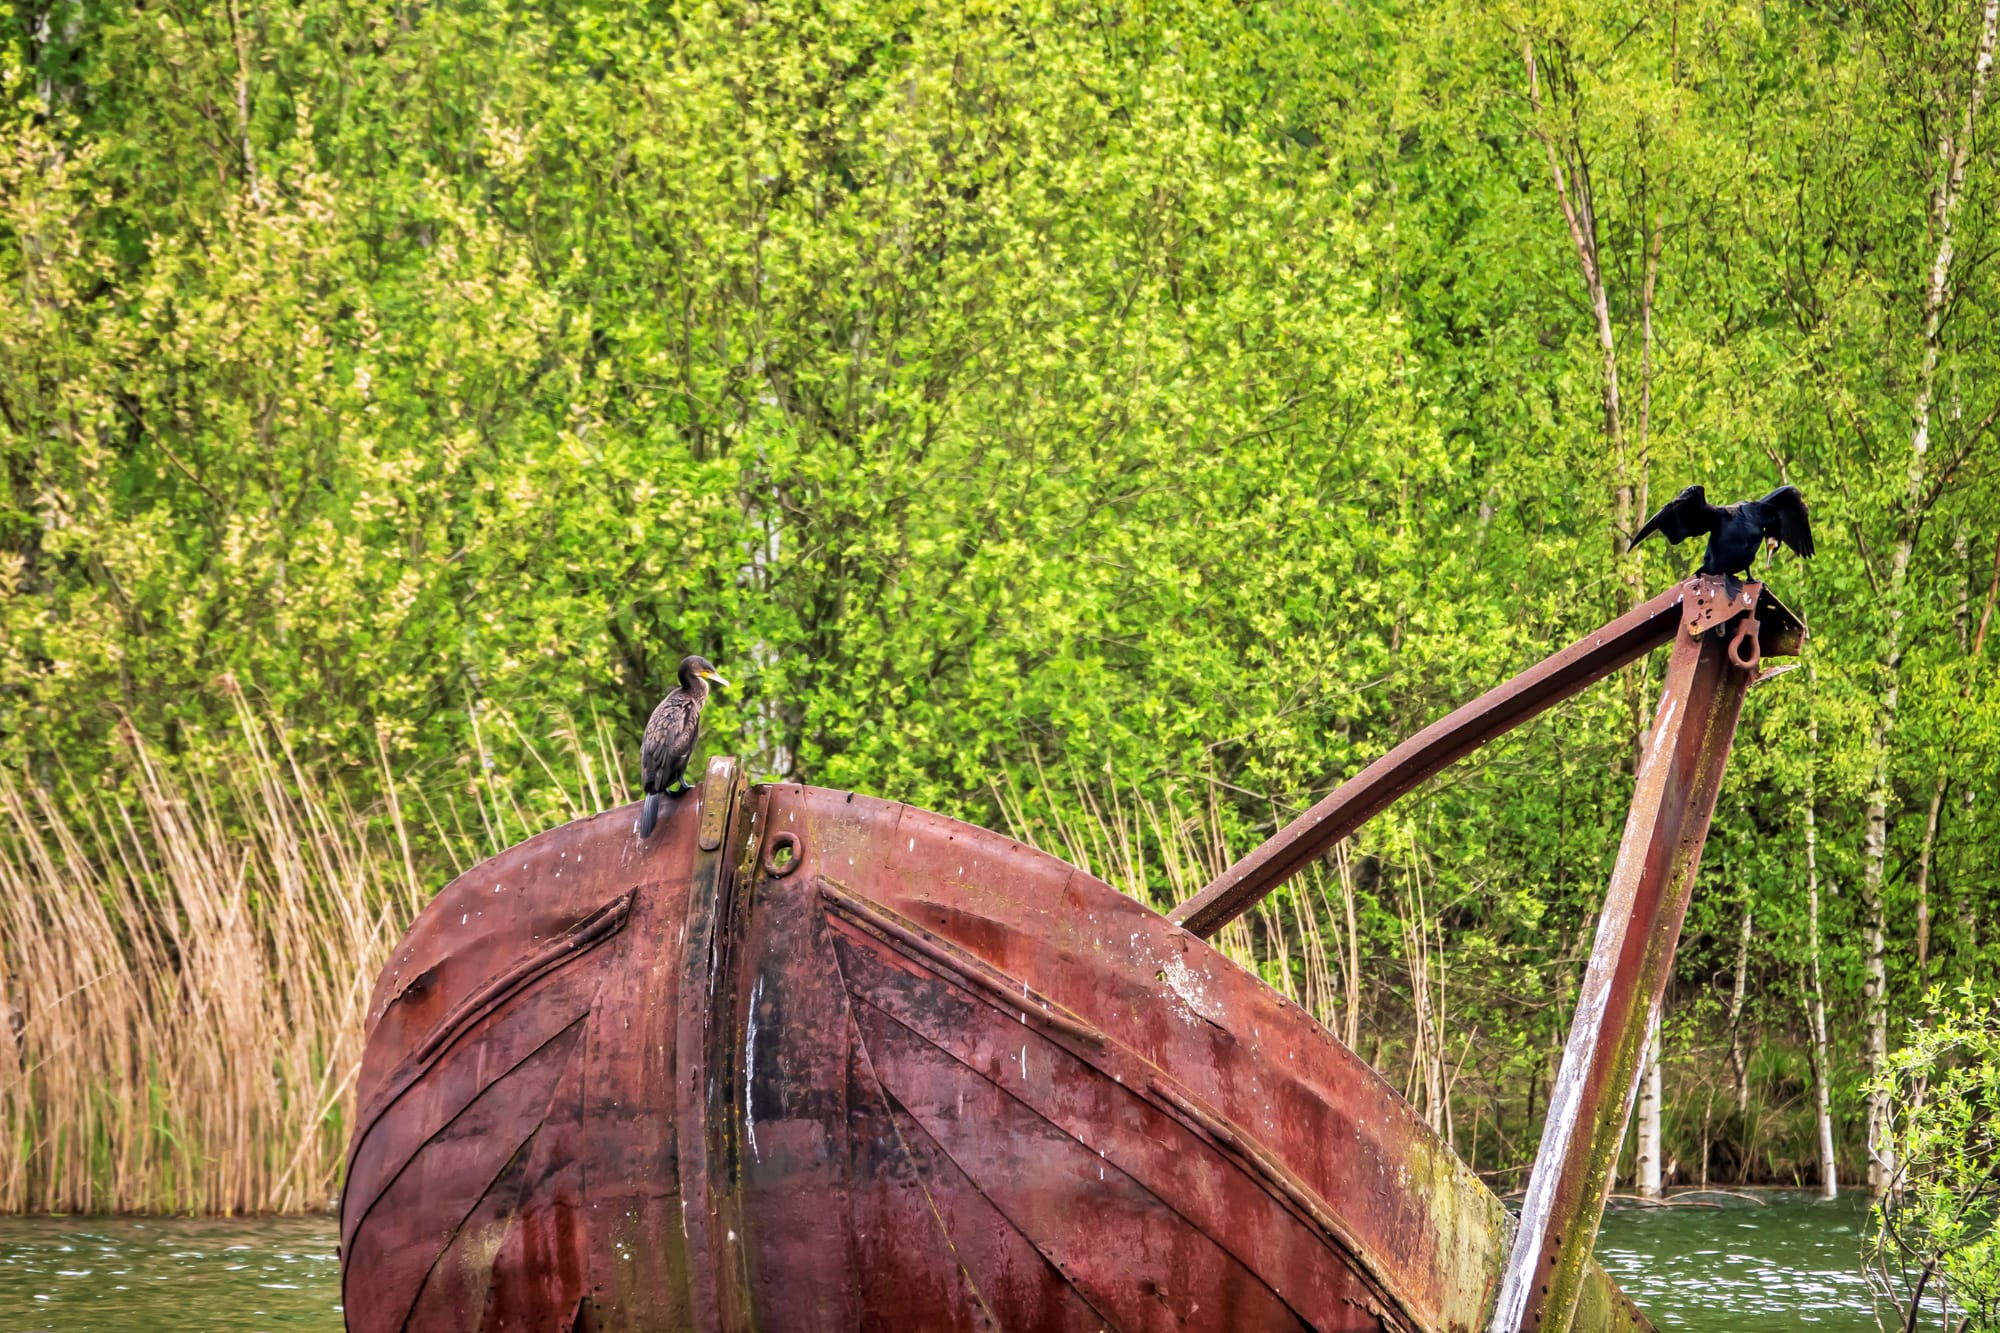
(1696, 605)
(1678, 779)
(715, 800)
(1709, 603)
(715, 1276)
(1673, 799)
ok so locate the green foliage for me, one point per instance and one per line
(1024, 405)
(947, 372)
(1934, 1235)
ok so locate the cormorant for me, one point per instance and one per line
(670, 734)
(1734, 531)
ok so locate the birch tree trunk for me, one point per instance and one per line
(1649, 1116)
(1954, 150)
(1829, 1184)
(1569, 171)
(240, 39)
(1574, 195)
(1968, 906)
(1925, 856)
(1739, 1064)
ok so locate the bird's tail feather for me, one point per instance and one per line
(649, 815)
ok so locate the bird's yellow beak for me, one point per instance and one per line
(710, 675)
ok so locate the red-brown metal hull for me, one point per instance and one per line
(918, 1076)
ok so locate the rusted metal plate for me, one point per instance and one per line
(810, 1060)
(514, 1151)
(1712, 601)
(1265, 1096)
(1039, 1118)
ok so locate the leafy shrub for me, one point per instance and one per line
(1933, 1238)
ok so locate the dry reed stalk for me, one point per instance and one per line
(1272, 916)
(1423, 1083)
(1318, 989)
(1351, 967)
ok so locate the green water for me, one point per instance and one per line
(1758, 1265)
(184, 1275)
(1787, 1262)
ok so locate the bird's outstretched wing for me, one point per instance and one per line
(1686, 515)
(1786, 519)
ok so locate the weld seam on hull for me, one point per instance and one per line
(417, 1296)
(976, 973)
(897, 1104)
(578, 940)
(389, 1181)
(586, 934)
(1279, 1178)
(1146, 1092)
(891, 1102)
(982, 977)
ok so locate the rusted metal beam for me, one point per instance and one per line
(1679, 774)
(1451, 738)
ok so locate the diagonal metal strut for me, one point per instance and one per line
(1719, 640)
(1680, 773)
(1696, 602)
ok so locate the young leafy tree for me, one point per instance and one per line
(1933, 1236)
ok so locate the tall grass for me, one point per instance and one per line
(185, 978)
(185, 971)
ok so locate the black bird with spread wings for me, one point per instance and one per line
(1734, 531)
(670, 737)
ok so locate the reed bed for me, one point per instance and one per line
(185, 975)
(185, 968)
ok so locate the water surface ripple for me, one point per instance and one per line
(1774, 1261)
(184, 1275)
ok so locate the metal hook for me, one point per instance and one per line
(1744, 649)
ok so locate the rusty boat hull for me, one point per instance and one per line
(810, 1060)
